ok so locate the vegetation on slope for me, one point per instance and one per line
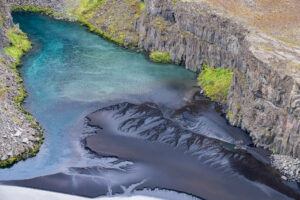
(215, 82)
(175, 1)
(47, 11)
(19, 46)
(117, 20)
(160, 57)
(86, 8)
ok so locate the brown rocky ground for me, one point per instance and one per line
(278, 18)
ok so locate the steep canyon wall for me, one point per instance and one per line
(264, 96)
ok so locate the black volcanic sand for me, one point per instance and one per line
(191, 150)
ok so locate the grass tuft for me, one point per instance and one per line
(142, 6)
(175, 2)
(19, 44)
(215, 82)
(160, 57)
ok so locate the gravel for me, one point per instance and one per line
(289, 167)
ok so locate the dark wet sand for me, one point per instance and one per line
(167, 156)
(175, 170)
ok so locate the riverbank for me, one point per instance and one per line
(21, 135)
(190, 149)
(263, 95)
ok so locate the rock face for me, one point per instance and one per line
(191, 34)
(17, 135)
(56, 5)
(264, 96)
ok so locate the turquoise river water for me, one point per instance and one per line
(71, 72)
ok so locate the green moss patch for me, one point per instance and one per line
(142, 6)
(175, 2)
(215, 82)
(19, 45)
(116, 22)
(27, 154)
(160, 57)
(103, 34)
(87, 8)
(3, 89)
(1, 20)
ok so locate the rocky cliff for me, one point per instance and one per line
(264, 96)
(20, 134)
